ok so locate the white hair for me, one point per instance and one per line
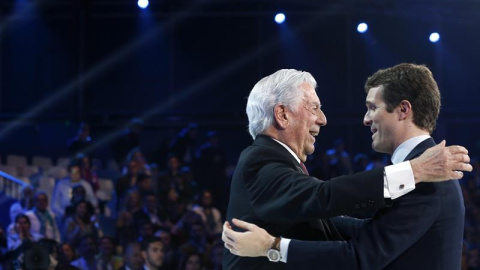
(279, 88)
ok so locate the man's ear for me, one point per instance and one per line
(405, 110)
(280, 114)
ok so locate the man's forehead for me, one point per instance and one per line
(375, 94)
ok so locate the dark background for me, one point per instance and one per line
(104, 62)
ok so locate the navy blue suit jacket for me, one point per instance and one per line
(269, 189)
(422, 230)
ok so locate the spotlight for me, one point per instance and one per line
(434, 37)
(362, 27)
(279, 18)
(142, 4)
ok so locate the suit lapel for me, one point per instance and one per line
(263, 140)
(420, 148)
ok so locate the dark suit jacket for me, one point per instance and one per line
(422, 230)
(269, 189)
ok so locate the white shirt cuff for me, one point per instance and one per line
(398, 180)
(284, 243)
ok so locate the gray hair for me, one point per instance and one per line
(279, 88)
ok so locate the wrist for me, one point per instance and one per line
(268, 244)
(273, 254)
(415, 170)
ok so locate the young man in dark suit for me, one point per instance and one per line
(271, 189)
(422, 230)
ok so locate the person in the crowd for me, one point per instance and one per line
(212, 165)
(192, 261)
(155, 212)
(87, 251)
(106, 259)
(23, 235)
(170, 255)
(62, 193)
(136, 155)
(87, 171)
(129, 139)
(126, 182)
(78, 194)
(66, 255)
(81, 141)
(80, 224)
(184, 144)
(197, 239)
(210, 215)
(23, 205)
(42, 220)
(152, 253)
(338, 160)
(132, 257)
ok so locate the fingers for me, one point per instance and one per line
(463, 158)
(456, 175)
(457, 149)
(244, 225)
(228, 235)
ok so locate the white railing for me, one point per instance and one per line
(10, 185)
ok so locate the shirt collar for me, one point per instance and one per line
(288, 148)
(406, 147)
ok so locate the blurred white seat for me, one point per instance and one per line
(16, 160)
(46, 184)
(27, 171)
(57, 172)
(63, 162)
(42, 162)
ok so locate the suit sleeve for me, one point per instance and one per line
(375, 243)
(279, 193)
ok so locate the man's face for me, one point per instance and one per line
(22, 226)
(67, 251)
(88, 247)
(75, 174)
(134, 258)
(106, 247)
(193, 263)
(305, 122)
(382, 123)
(153, 256)
(41, 202)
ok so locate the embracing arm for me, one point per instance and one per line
(279, 193)
(374, 243)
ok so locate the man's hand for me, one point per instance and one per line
(255, 242)
(440, 163)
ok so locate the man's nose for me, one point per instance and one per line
(321, 119)
(366, 120)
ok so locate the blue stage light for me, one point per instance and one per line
(142, 4)
(280, 18)
(434, 37)
(362, 27)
